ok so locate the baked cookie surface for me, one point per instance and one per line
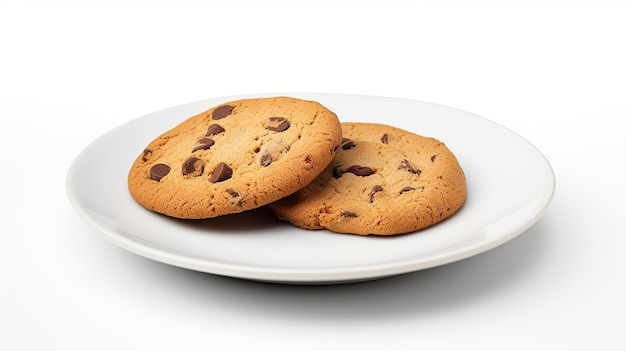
(234, 157)
(383, 180)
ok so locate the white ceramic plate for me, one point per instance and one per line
(510, 185)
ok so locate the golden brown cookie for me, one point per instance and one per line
(383, 180)
(234, 157)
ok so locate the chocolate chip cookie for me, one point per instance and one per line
(234, 157)
(383, 180)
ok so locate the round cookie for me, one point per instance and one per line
(234, 157)
(383, 180)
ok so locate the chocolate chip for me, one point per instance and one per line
(203, 144)
(345, 141)
(375, 189)
(222, 111)
(348, 214)
(277, 124)
(410, 188)
(348, 145)
(432, 158)
(337, 172)
(406, 165)
(271, 152)
(146, 155)
(385, 139)
(221, 173)
(193, 166)
(406, 188)
(158, 171)
(214, 129)
(266, 159)
(235, 194)
(360, 171)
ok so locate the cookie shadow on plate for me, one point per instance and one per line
(252, 220)
(134, 219)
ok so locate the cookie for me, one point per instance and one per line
(383, 180)
(235, 157)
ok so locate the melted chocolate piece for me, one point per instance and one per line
(221, 173)
(146, 155)
(406, 188)
(232, 193)
(193, 166)
(405, 165)
(203, 144)
(348, 214)
(277, 124)
(214, 129)
(337, 172)
(360, 171)
(222, 111)
(375, 189)
(266, 159)
(158, 171)
(271, 152)
(348, 145)
(384, 139)
(432, 158)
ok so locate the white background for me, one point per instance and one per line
(552, 71)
